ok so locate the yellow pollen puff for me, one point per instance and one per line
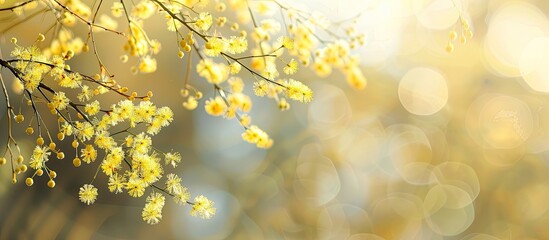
(215, 106)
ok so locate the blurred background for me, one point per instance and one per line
(438, 146)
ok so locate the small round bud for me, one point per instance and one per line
(235, 27)
(40, 141)
(74, 143)
(52, 146)
(39, 172)
(184, 92)
(23, 168)
(29, 130)
(462, 39)
(14, 178)
(452, 36)
(29, 181)
(60, 136)
(53, 174)
(20, 159)
(449, 47)
(76, 162)
(69, 54)
(187, 48)
(85, 48)
(180, 54)
(19, 118)
(60, 155)
(2, 161)
(51, 183)
(221, 7)
(183, 43)
(469, 33)
(149, 94)
(198, 95)
(13, 40)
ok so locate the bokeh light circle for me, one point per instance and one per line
(505, 122)
(437, 14)
(511, 28)
(459, 175)
(533, 64)
(423, 91)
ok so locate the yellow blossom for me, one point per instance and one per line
(152, 212)
(203, 207)
(88, 194)
(116, 183)
(356, 79)
(203, 21)
(296, 90)
(172, 158)
(215, 106)
(39, 157)
(215, 46)
(92, 108)
(147, 64)
(255, 135)
(237, 45)
(291, 67)
(88, 154)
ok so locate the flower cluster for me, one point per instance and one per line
(464, 34)
(249, 45)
